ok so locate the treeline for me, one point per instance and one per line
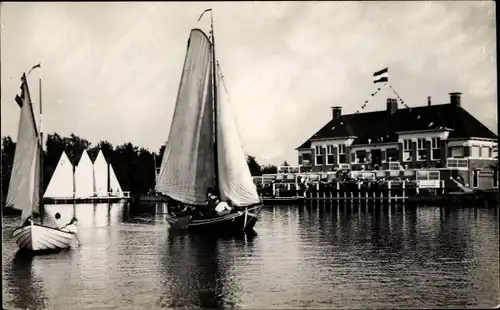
(133, 165)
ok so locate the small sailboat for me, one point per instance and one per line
(204, 154)
(25, 187)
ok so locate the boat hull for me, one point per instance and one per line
(234, 222)
(39, 238)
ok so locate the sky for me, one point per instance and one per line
(111, 71)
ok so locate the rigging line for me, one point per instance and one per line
(223, 81)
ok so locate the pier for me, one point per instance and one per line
(369, 187)
(112, 197)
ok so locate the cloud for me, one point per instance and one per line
(111, 70)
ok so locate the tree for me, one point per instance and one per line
(8, 151)
(253, 166)
(269, 169)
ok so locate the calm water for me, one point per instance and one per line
(301, 257)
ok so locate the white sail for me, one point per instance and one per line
(235, 180)
(100, 168)
(84, 177)
(114, 185)
(24, 182)
(188, 163)
(61, 182)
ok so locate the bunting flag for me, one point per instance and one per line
(399, 97)
(366, 101)
(381, 76)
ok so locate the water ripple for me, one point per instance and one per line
(317, 257)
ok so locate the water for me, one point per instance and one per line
(301, 257)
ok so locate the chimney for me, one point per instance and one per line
(392, 106)
(429, 101)
(336, 112)
(455, 99)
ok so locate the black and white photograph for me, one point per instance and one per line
(249, 155)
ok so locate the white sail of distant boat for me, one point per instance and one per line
(204, 150)
(100, 168)
(61, 185)
(25, 182)
(84, 177)
(114, 185)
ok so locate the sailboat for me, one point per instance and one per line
(204, 153)
(25, 187)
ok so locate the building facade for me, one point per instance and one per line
(443, 136)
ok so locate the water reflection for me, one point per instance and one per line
(25, 286)
(313, 256)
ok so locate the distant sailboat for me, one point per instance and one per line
(84, 177)
(26, 181)
(203, 149)
(59, 187)
(100, 168)
(114, 186)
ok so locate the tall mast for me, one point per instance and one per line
(74, 190)
(154, 163)
(40, 190)
(214, 107)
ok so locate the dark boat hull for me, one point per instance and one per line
(234, 222)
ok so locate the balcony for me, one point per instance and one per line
(457, 163)
(394, 165)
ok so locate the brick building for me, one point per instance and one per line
(437, 137)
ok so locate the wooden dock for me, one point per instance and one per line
(90, 199)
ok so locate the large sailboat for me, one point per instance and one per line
(204, 154)
(25, 187)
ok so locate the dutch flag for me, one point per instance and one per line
(381, 76)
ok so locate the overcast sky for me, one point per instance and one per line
(111, 70)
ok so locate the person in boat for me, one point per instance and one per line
(222, 208)
(28, 221)
(71, 226)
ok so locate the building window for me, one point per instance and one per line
(475, 151)
(435, 148)
(485, 152)
(392, 155)
(330, 160)
(306, 158)
(407, 150)
(421, 149)
(342, 156)
(319, 155)
(361, 156)
(457, 151)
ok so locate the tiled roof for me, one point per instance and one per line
(381, 126)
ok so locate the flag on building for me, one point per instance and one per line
(381, 76)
